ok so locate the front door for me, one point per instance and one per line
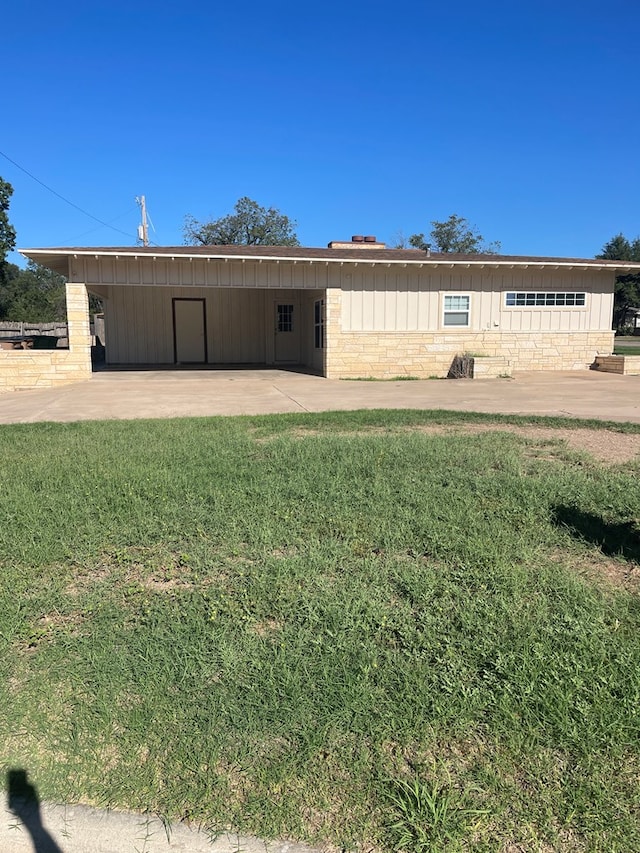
(287, 333)
(189, 331)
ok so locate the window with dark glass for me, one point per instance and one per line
(285, 318)
(318, 323)
(531, 299)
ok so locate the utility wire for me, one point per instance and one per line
(70, 241)
(67, 241)
(66, 200)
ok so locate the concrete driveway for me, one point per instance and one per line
(182, 393)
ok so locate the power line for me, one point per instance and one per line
(66, 200)
(67, 241)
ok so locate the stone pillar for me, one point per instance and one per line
(332, 331)
(78, 320)
(77, 365)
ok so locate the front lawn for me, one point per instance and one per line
(626, 350)
(358, 629)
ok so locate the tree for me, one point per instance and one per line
(455, 235)
(7, 232)
(627, 288)
(250, 225)
(34, 295)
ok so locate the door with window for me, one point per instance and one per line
(189, 331)
(287, 332)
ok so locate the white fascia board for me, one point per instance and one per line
(611, 266)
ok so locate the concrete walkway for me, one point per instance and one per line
(78, 829)
(181, 393)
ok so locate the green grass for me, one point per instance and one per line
(329, 627)
(626, 350)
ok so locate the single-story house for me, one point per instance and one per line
(353, 309)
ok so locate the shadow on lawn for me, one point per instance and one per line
(615, 540)
(23, 802)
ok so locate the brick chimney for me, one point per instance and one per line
(357, 242)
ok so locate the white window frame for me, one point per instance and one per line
(457, 310)
(563, 299)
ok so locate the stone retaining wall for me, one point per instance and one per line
(27, 369)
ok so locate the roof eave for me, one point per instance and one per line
(482, 262)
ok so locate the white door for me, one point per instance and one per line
(189, 331)
(287, 332)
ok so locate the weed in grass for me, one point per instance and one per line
(428, 817)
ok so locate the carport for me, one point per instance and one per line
(191, 306)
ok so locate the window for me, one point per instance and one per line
(547, 300)
(318, 323)
(285, 318)
(456, 310)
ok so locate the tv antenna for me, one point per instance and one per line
(143, 228)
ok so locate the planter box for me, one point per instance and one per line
(627, 365)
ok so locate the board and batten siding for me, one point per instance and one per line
(240, 323)
(389, 298)
(239, 305)
(145, 272)
(409, 301)
(139, 324)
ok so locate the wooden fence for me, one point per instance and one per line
(10, 329)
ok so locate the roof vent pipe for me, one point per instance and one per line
(370, 239)
(357, 238)
(427, 248)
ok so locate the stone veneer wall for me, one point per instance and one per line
(383, 355)
(27, 369)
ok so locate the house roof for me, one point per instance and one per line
(58, 259)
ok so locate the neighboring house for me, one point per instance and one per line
(634, 319)
(354, 309)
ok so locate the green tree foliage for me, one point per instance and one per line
(7, 232)
(33, 295)
(627, 291)
(454, 235)
(250, 225)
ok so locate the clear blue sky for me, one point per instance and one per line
(368, 118)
